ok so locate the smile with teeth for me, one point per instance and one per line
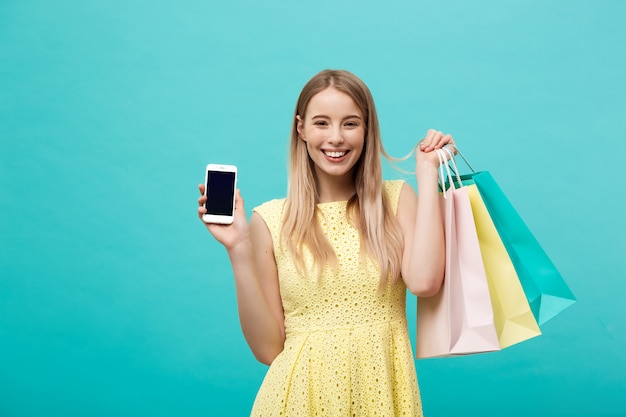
(335, 154)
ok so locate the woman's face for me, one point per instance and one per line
(334, 131)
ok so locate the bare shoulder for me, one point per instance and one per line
(408, 200)
(260, 234)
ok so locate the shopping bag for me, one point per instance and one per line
(513, 316)
(459, 319)
(543, 285)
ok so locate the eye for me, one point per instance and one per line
(352, 123)
(320, 123)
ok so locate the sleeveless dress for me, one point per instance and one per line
(347, 350)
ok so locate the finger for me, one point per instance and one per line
(436, 139)
(452, 147)
(238, 201)
(432, 138)
(429, 134)
(425, 142)
(201, 211)
(202, 200)
(441, 141)
(448, 142)
(201, 188)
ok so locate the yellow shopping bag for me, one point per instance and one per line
(513, 316)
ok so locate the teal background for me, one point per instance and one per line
(114, 299)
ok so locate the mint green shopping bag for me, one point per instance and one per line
(545, 289)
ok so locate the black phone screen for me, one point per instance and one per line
(220, 190)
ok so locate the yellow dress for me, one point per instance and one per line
(347, 350)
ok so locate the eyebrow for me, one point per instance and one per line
(323, 116)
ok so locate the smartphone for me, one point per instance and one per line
(219, 187)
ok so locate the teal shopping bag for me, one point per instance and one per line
(545, 289)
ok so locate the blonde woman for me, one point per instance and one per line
(321, 276)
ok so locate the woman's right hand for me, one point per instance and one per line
(229, 235)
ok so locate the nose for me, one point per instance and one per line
(336, 137)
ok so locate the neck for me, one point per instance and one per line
(335, 189)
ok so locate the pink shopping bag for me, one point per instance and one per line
(459, 319)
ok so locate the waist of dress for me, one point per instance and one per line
(359, 326)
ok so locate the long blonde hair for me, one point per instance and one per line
(369, 209)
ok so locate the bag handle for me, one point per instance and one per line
(454, 167)
(445, 158)
(441, 174)
(458, 152)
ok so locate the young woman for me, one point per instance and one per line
(321, 276)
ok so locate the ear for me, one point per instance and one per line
(300, 127)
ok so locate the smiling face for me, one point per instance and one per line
(333, 128)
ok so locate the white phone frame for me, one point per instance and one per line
(218, 218)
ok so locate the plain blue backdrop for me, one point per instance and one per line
(114, 299)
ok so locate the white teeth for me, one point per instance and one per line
(335, 154)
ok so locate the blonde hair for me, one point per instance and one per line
(369, 209)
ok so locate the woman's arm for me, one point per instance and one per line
(251, 255)
(421, 220)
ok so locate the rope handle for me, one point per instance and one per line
(458, 152)
(455, 169)
(446, 157)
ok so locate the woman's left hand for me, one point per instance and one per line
(433, 140)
